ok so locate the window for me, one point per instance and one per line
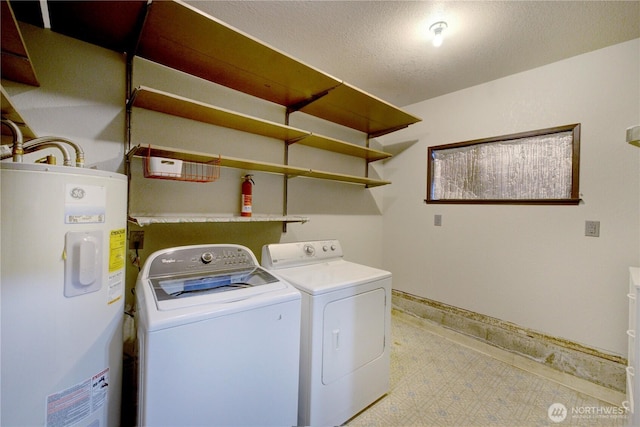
(536, 167)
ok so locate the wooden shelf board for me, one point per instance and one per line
(16, 63)
(182, 37)
(18, 69)
(143, 220)
(356, 109)
(337, 146)
(236, 163)
(345, 178)
(10, 112)
(232, 162)
(164, 102)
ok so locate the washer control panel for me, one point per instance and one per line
(198, 258)
(300, 253)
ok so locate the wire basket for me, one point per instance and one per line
(181, 170)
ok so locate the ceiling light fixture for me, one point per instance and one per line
(437, 29)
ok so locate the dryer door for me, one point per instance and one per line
(353, 333)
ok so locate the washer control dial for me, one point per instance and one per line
(309, 250)
(207, 257)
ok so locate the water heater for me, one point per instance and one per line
(62, 294)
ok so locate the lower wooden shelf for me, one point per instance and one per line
(231, 162)
(142, 220)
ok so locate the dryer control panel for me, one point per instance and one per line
(300, 253)
(200, 258)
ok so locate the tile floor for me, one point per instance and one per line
(437, 381)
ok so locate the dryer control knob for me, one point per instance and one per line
(207, 257)
(309, 249)
(325, 248)
(333, 247)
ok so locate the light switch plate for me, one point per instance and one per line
(437, 220)
(592, 228)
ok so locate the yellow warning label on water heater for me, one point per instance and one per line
(117, 249)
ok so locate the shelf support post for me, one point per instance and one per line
(130, 54)
(285, 178)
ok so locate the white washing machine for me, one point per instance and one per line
(218, 338)
(345, 335)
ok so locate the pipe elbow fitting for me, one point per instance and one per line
(18, 145)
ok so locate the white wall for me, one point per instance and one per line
(81, 96)
(531, 265)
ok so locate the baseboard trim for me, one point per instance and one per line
(567, 362)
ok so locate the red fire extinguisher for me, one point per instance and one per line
(247, 191)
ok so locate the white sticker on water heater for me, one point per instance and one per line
(70, 405)
(79, 402)
(84, 204)
(115, 288)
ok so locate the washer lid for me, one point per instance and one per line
(329, 276)
(172, 292)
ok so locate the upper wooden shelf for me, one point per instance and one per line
(156, 100)
(184, 38)
(330, 144)
(164, 102)
(180, 36)
(351, 107)
(16, 63)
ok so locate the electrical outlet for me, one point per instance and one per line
(136, 239)
(437, 220)
(592, 228)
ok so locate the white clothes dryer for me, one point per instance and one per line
(218, 339)
(345, 330)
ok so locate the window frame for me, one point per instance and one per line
(574, 197)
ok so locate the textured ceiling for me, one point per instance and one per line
(383, 47)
